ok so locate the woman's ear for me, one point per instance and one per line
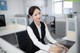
(30, 16)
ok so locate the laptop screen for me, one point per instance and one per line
(2, 21)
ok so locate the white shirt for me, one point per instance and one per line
(39, 29)
(35, 40)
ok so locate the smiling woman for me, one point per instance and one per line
(37, 31)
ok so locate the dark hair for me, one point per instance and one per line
(32, 9)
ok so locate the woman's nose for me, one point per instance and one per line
(39, 16)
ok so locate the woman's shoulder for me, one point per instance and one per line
(43, 22)
(28, 27)
(45, 25)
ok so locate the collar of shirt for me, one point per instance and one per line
(37, 25)
(39, 29)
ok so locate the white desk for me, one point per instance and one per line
(11, 29)
(73, 49)
(8, 47)
(71, 36)
(14, 28)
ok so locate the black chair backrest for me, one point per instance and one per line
(54, 20)
(22, 40)
(53, 25)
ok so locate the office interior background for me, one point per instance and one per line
(52, 10)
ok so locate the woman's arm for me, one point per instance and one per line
(48, 36)
(35, 40)
(52, 40)
(40, 45)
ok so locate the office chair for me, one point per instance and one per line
(23, 40)
(52, 24)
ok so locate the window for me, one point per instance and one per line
(57, 0)
(58, 8)
(62, 7)
(67, 7)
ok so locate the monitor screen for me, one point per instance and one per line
(2, 21)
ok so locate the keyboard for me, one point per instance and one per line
(67, 43)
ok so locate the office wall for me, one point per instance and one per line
(14, 7)
(61, 25)
(49, 7)
(45, 5)
(39, 3)
(77, 8)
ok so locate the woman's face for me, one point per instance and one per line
(36, 15)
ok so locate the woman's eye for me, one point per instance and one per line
(35, 14)
(39, 13)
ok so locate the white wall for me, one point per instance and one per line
(77, 9)
(39, 3)
(76, 6)
(45, 5)
(49, 7)
(14, 7)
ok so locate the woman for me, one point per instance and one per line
(37, 31)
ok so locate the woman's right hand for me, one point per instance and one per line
(55, 49)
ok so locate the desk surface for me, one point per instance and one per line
(11, 29)
(8, 47)
(73, 49)
(71, 35)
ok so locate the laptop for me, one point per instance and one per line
(66, 43)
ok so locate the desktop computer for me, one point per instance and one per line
(2, 21)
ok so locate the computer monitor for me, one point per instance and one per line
(70, 15)
(2, 21)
